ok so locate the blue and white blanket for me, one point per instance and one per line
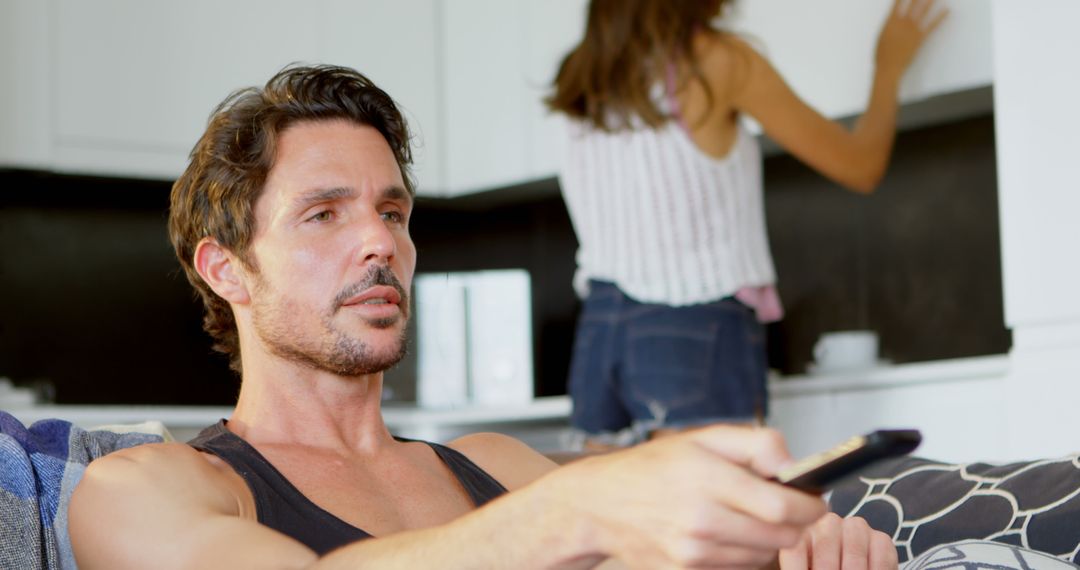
(39, 468)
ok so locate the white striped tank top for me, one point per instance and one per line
(661, 219)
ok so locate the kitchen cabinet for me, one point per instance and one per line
(1037, 140)
(485, 96)
(1036, 115)
(124, 87)
(136, 81)
(121, 87)
(396, 45)
(957, 404)
(499, 59)
(24, 100)
(553, 29)
(825, 49)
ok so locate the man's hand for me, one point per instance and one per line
(844, 544)
(697, 499)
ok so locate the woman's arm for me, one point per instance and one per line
(855, 158)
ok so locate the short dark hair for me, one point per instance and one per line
(215, 196)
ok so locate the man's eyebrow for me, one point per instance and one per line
(397, 193)
(322, 195)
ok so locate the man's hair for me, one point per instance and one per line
(215, 196)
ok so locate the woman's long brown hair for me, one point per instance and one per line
(628, 46)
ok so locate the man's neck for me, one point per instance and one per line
(282, 402)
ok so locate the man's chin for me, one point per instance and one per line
(388, 322)
(381, 361)
(381, 353)
(367, 347)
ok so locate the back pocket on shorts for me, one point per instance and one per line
(669, 365)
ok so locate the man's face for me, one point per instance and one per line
(333, 252)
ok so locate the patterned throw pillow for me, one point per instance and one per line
(923, 504)
(976, 555)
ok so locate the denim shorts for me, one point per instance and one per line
(637, 367)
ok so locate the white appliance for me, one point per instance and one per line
(474, 338)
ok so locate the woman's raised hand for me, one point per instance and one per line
(909, 23)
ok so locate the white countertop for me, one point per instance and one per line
(548, 409)
(893, 375)
(397, 416)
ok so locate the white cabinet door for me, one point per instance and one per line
(395, 44)
(553, 28)
(1036, 120)
(806, 420)
(499, 59)
(136, 80)
(958, 56)
(25, 125)
(825, 49)
(960, 420)
(485, 94)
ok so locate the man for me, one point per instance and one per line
(292, 223)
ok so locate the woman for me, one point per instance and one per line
(663, 185)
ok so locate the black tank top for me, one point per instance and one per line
(280, 506)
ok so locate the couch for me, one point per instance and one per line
(924, 504)
(1023, 515)
(39, 468)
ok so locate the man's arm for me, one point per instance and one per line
(698, 498)
(165, 506)
(692, 500)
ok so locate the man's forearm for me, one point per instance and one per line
(699, 499)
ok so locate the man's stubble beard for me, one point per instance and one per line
(336, 352)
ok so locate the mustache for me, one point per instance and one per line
(378, 275)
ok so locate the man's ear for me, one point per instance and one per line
(221, 270)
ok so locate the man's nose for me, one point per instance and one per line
(377, 241)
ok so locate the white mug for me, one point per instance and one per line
(845, 350)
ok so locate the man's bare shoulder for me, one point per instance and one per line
(170, 471)
(170, 506)
(151, 454)
(505, 458)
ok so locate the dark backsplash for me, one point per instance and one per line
(93, 302)
(918, 261)
(92, 299)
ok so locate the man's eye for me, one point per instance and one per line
(323, 216)
(393, 216)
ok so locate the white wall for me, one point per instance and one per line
(24, 62)
(1037, 85)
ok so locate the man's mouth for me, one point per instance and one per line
(377, 295)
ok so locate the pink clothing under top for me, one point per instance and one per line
(764, 299)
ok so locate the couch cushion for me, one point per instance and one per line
(986, 555)
(923, 504)
(39, 468)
